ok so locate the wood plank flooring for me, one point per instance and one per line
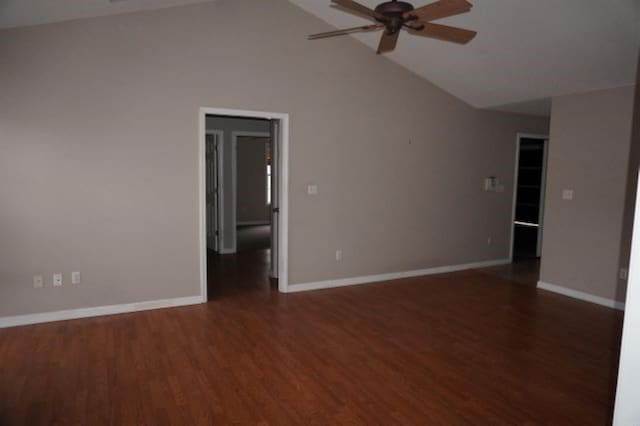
(468, 348)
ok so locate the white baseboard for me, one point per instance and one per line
(227, 251)
(97, 311)
(253, 223)
(392, 276)
(609, 303)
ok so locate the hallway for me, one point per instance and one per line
(253, 237)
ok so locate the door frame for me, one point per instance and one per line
(219, 170)
(234, 179)
(543, 189)
(283, 229)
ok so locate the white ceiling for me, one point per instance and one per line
(526, 51)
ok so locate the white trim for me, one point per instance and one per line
(234, 179)
(283, 204)
(515, 187)
(283, 230)
(609, 303)
(514, 197)
(252, 223)
(367, 279)
(543, 192)
(626, 411)
(97, 311)
(202, 204)
(527, 224)
(227, 251)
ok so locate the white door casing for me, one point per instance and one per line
(275, 196)
(283, 190)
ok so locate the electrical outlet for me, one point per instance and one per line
(338, 255)
(75, 278)
(57, 280)
(567, 194)
(38, 281)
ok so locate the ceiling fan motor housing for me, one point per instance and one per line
(391, 14)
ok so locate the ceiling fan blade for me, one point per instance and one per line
(352, 12)
(356, 7)
(345, 31)
(440, 9)
(445, 32)
(388, 42)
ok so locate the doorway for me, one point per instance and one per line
(243, 183)
(251, 169)
(529, 191)
(251, 189)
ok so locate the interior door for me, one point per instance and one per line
(213, 199)
(275, 196)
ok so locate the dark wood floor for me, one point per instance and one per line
(524, 272)
(468, 348)
(253, 237)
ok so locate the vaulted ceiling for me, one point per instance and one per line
(20, 13)
(525, 53)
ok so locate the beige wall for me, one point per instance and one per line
(589, 153)
(228, 125)
(99, 146)
(252, 180)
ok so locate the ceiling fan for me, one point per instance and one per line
(392, 16)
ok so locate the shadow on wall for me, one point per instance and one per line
(632, 185)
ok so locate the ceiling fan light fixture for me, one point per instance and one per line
(394, 15)
(394, 8)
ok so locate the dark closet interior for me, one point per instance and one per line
(528, 198)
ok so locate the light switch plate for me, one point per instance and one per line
(312, 189)
(490, 184)
(75, 277)
(624, 274)
(57, 280)
(567, 194)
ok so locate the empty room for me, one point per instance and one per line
(319, 212)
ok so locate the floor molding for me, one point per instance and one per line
(69, 314)
(609, 303)
(367, 279)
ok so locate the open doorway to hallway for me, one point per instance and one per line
(243, 201)
(528, 206)
(252, 175)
